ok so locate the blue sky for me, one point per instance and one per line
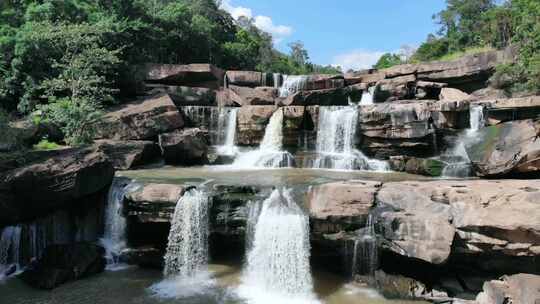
(350, 33)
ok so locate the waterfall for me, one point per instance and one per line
(277, 80)
(227, 131)
(114, 237)
(10, 257)
(270, 153)
(336, 136)
(459, 164)
(367, 96)
(254, 210)
(365, 255)
(187, 249)
(186, 259)
(292, 84)
(278, 268)
(203, 117)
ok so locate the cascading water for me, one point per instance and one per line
(10, 258)
(227, 131)
(278, 269)
(270, 153)
(254, 210)
(292, 84)
(204, 117)
(186, 260)
(336, 140)
(365, 255)
(459, 164)
(367, 96)
(114, 240)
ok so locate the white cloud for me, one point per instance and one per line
(265, 23)
(357, 59)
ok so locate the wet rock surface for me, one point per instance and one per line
(188, 147)
(63, 263)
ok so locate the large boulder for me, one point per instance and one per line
(323, 97)
(506, 109)
(507, 149)
(451, 94)
(519, 288)
(415, 225)
(48, 185)
(125, 155)
(188, 147)
(430, 220)
(395, 88)
(141, 120)
(190, 75)
(153, 203)
(259, 96)
(397, 128)
(63, 263)
(187, 96)
(252, 79)
(252, 121)
(341, 206)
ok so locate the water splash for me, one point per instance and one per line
(336, 136)
(365, 255)
(227, 131)
(186, 260)
(270, 153)
(367, 96)
(459, 164)
(114, 237)
(278, 269)
(292, 84)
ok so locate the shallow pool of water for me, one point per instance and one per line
(260, 177)
(132, 286)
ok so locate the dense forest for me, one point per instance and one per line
(64, 60)
(469, 26)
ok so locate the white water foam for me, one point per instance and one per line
(227, 131)
(367, 96)
(270, 153)
(292, 84)
(278, 269)
(186, 260)
(336, 136)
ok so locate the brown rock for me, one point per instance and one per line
(125, 155)
(519, 288)
(259, 96)
(328, 97)
(252, 121)
(188, 147)
(451, 94)
(50, 184)
(191, 75)
(141, 119)
(506, 149)
(245, 78)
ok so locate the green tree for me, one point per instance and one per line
(388, 60)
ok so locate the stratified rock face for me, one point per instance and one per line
(128, 154)
(519, 288)
(506, 109)
(451, 94)
(188, 96)
(247, 78)
(259, 96)
(469, 72)
(252, 121)
(63, 263)
(294, 122)
(153, 202)
(188, 147)
(402, 87)
(431, 219)
(323, 97)
(506, 149)
(192, 75)
(47, 186)
(141, 120)
(419, 166)
(399, 128)
(337, 206)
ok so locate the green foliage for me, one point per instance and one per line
(78, 119)
(469, 26)
(45, 144)
(388, 60)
